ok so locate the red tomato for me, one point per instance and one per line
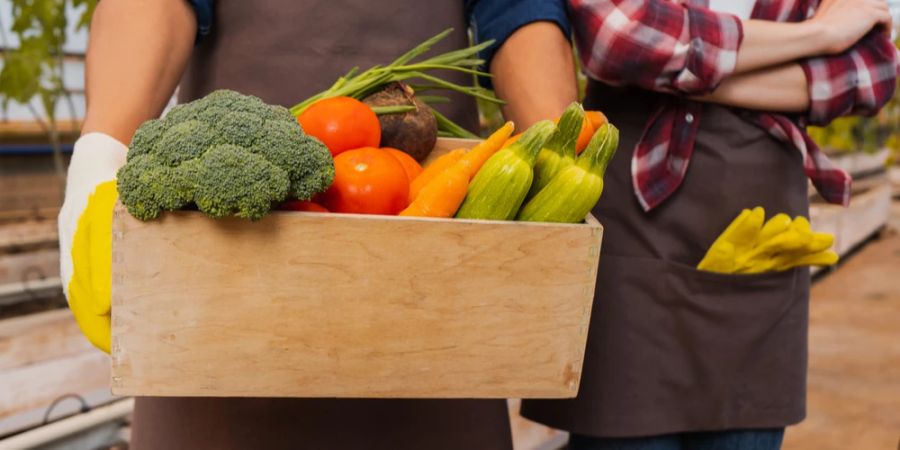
(302, 205)
(410, 165)
(341, 123)
(367, 181)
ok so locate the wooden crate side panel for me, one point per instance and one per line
(426, 308)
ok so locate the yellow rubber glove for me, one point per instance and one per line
(762, 258)
(85, 233)
(777, 224)
(748, 246)
(739, 237)
(823, 258)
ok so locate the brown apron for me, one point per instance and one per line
(672, 349)
(284, 51)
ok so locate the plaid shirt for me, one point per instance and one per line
(682, 47)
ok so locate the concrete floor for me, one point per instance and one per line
(854, 373)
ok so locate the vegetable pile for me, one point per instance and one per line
(229, 154)
(383, 88)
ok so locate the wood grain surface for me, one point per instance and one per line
(42, 357)
(327, 305)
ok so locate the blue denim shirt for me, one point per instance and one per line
(489, 19)
(203, 9)
(498, 19)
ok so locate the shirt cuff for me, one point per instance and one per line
(858, 81)
(203, 10)
(715, 39)
(497, 20)
(821, 90)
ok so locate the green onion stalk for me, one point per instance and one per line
(359, 85)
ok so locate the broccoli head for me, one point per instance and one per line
(226, 153)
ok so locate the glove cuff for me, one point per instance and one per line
(96, 159)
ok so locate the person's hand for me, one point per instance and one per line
(844, 22)
(85, 233)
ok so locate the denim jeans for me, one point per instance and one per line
(769, 439)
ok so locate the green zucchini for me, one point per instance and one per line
(559, 152)
(574, 191)
(499, 188)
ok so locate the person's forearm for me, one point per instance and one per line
(836, 26)
(768, 44)
(780, 89)
(137, 52)
(534, 72)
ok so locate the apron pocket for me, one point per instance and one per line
(700, 350)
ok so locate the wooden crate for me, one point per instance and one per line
(861, 163)
(868, 212)
(340, 305)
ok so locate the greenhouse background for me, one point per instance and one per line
(54, 387)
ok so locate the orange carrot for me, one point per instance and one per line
(584, 136)
(475, 158)
(442, 196)
(433, 170)
(597, 118)
(593, 120)
(514, 138)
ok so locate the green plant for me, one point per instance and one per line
(35, 68)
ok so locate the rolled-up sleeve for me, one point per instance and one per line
(498, 19)
(203, 10)
(859, 81)
(657, 45)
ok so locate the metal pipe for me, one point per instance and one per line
(66, 427)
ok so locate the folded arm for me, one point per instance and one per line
(858, 81)
(671, 47)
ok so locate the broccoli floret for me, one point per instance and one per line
(148, 133)
(148, 187)
(182, 142)
(232, 181)
(309, 161)
(239, 128)
(278, 112)
(227, 153)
